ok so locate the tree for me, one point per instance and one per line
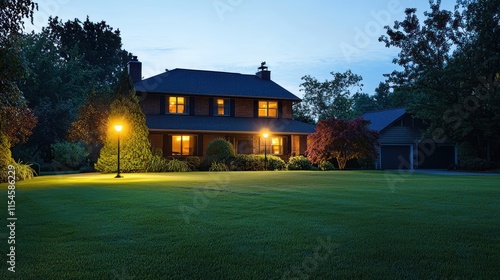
(16, 118)
(67, 62)
(450, 69)
(342, 140)
(363, 103)
(329, 99)
(95, 43)
(135, 147)
(90, 124)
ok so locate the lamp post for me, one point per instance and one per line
(118, 128)
(265, 150)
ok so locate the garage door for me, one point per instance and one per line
(438, 157)
(395, 157)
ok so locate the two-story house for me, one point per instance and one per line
(186, 109)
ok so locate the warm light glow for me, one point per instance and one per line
(265, 135)
(118, 128)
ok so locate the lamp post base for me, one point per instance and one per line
(118, 176)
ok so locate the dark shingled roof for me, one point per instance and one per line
(226, 124)
(382, 119)
(212, 83)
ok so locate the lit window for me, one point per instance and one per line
(183, 145)
(268, 109)
(177, 105)
(221, 107)
(273, 145)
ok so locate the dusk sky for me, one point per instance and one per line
(295, 38)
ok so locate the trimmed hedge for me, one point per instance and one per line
(256, 163)
(299, 163)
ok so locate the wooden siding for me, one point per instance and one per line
(399, 135)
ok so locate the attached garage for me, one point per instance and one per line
(395, 156)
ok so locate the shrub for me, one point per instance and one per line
(194, 162)
(176, 165)
(22, 171)
(219, 150)
(157, 164)
(299, 163)
(475, 164)
(274, 163)
(218, 166)
(326, 166)
(70, 154)
(247, 163)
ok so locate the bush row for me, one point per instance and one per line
(233, 163)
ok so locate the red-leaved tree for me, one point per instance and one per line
(342, 140)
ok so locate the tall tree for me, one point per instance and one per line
(331, 98)
(98, 44)
(16, 118)
(342, 140)
(135, 146)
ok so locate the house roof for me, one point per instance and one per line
(212, 83)
(380, 120)
(226, 124)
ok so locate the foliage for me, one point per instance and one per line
(331, 98)
(243, 162)
(342, 140)
(23, 171)
(326, 165)
(97, 43)
(218, 166)
(220, 150)
(71, 68)
(70, 154)
(135, 148)
(299, 163)
(256, 163)
(176, 165)
(194, 162)
(450, 68)
(12, 14)
(275, 163)
(471, 163)
(90, 123)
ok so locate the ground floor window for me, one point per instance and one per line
(272, 145)
(183, 145)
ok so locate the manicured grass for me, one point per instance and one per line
(255, 225)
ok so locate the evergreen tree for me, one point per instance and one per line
(135, 148)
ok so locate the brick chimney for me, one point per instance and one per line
(134, 68)
(263, 74)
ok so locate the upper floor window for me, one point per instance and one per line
(178, 105)
(222, 107)
(268, 109)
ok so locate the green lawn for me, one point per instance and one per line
(255, 225)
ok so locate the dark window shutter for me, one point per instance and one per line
(191, 105)
(162, 104)
(211, 106)
(256, 108)
(280, 109)
(231, 107)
